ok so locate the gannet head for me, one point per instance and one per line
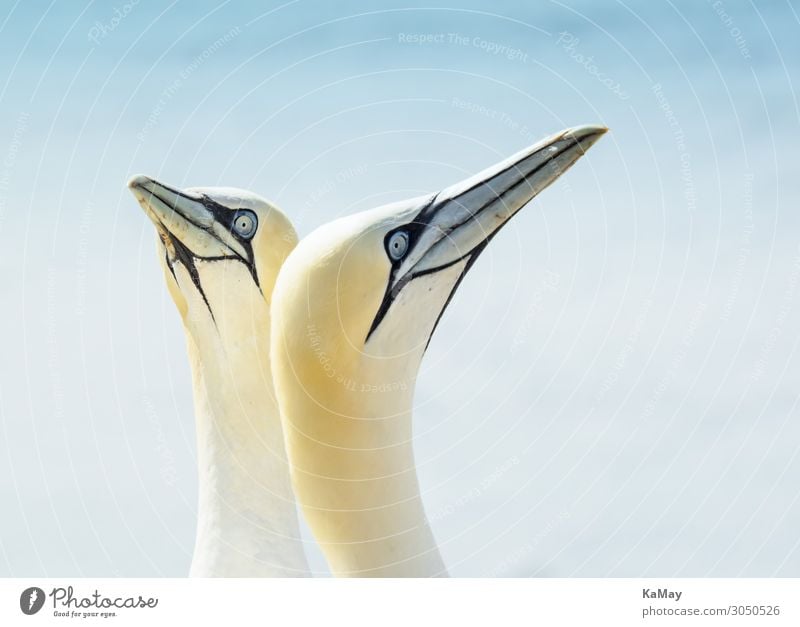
(383, 278)
(354, 308)
(221, 249)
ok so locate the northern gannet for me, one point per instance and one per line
(353, 310)
(221, 250)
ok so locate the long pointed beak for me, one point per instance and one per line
(457, 223)
(190, 219)
(464, 216)
(183, 216)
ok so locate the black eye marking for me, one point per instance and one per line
(228, 217)
(186, 258)
(243, 231)
(410, 233)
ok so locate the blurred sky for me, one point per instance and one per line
(614, 390)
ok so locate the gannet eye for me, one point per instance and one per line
(397, 245)
(245, 223)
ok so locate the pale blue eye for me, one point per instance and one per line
(397, 245)
(245, 223)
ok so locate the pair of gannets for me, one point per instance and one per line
(312, 349)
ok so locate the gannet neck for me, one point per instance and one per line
(247, 522)
(221, 250)
(353, 310)
(355, 477)
(347, 412)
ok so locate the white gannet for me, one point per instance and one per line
(221, 250)
(353, 311)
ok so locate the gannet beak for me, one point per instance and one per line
(457, 223)
(183, 216)
(464, 216)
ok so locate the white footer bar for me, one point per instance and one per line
(416, 603)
